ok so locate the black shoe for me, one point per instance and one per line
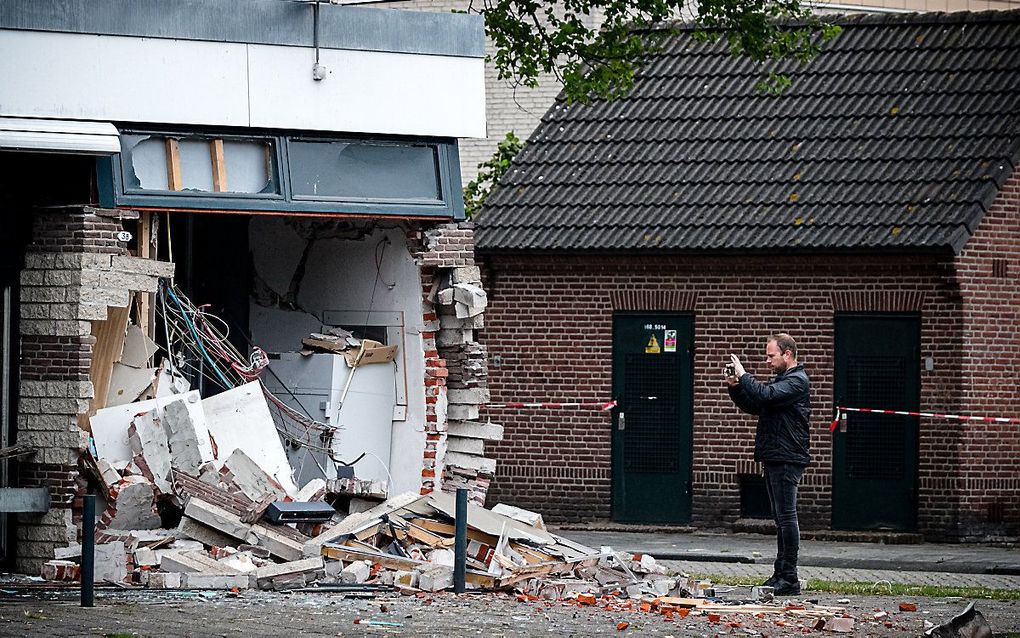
(786, 588)
(771, 582)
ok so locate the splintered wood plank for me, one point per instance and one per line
(109, 334)
(219, 166)
(146, 309)
(173, 164)
(448, 530)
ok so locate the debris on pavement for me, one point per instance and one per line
(969, 623)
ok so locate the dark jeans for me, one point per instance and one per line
(781, 481)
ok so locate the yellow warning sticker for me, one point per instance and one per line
(653, 346)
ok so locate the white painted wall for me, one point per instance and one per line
(340, 274)
(188, 82)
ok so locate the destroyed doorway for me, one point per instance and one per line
(874, 456)
(653, 372)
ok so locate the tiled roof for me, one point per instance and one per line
(899, 134)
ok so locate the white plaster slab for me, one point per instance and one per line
(138, 348)
(128, 383)
(110, 426)
(239, 419)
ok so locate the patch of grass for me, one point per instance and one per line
(877, 589)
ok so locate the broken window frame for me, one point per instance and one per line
(115, 190)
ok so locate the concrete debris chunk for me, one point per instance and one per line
(151, 448)
(187, 562)
(132, 505)
(436, 578)
(251, 479)
(60, 570)
(192, 529)
(214, 581)
(162, 580)
(274, 574)
(185, 438)
(356, 573)
(110, 562)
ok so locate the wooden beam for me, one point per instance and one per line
(219, 166)
(109, 334)
(173, 164)
(448, 531)
(146, 309)
(396, 562)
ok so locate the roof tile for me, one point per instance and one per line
(897, 135)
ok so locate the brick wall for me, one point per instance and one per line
(74, 270)
(989, 342)
(549, 336)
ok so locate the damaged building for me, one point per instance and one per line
(236, 269)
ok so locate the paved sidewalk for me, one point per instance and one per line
(961, 565)
(843, 574)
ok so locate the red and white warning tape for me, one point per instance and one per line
(841, 410)
(602, 405)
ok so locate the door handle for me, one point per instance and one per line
(621, 422)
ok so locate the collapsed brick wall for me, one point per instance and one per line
(989, 466)
(549, 336)
(75, 268)
(455, 366)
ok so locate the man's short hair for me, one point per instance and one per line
(784, 342)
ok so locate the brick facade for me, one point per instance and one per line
(988, 270)
(75, 268)
(549, 336)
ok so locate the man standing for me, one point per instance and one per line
(781, 442)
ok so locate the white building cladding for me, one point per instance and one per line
(245, 63)
(284, 94)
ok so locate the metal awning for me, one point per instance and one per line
(58, 136)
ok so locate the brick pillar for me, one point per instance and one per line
(75, 268)
(455, 365)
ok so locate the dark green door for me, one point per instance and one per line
(874, 461)
(652, 424)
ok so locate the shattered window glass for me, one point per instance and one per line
(196, 166)
(249, 166)
(246, 166)
(148, 162)
(364, 170)
(272, 172)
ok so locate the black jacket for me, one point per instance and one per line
(783, 407)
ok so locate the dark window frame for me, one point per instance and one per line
(114, 193)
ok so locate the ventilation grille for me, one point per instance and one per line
(875, 444)
(652, 398)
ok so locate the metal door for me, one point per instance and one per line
(874, 458)
(652, 424)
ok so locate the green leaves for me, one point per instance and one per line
(593, 47)
(489, 173)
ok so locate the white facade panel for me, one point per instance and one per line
(189, 82)
(367, 91)
(90, 77)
